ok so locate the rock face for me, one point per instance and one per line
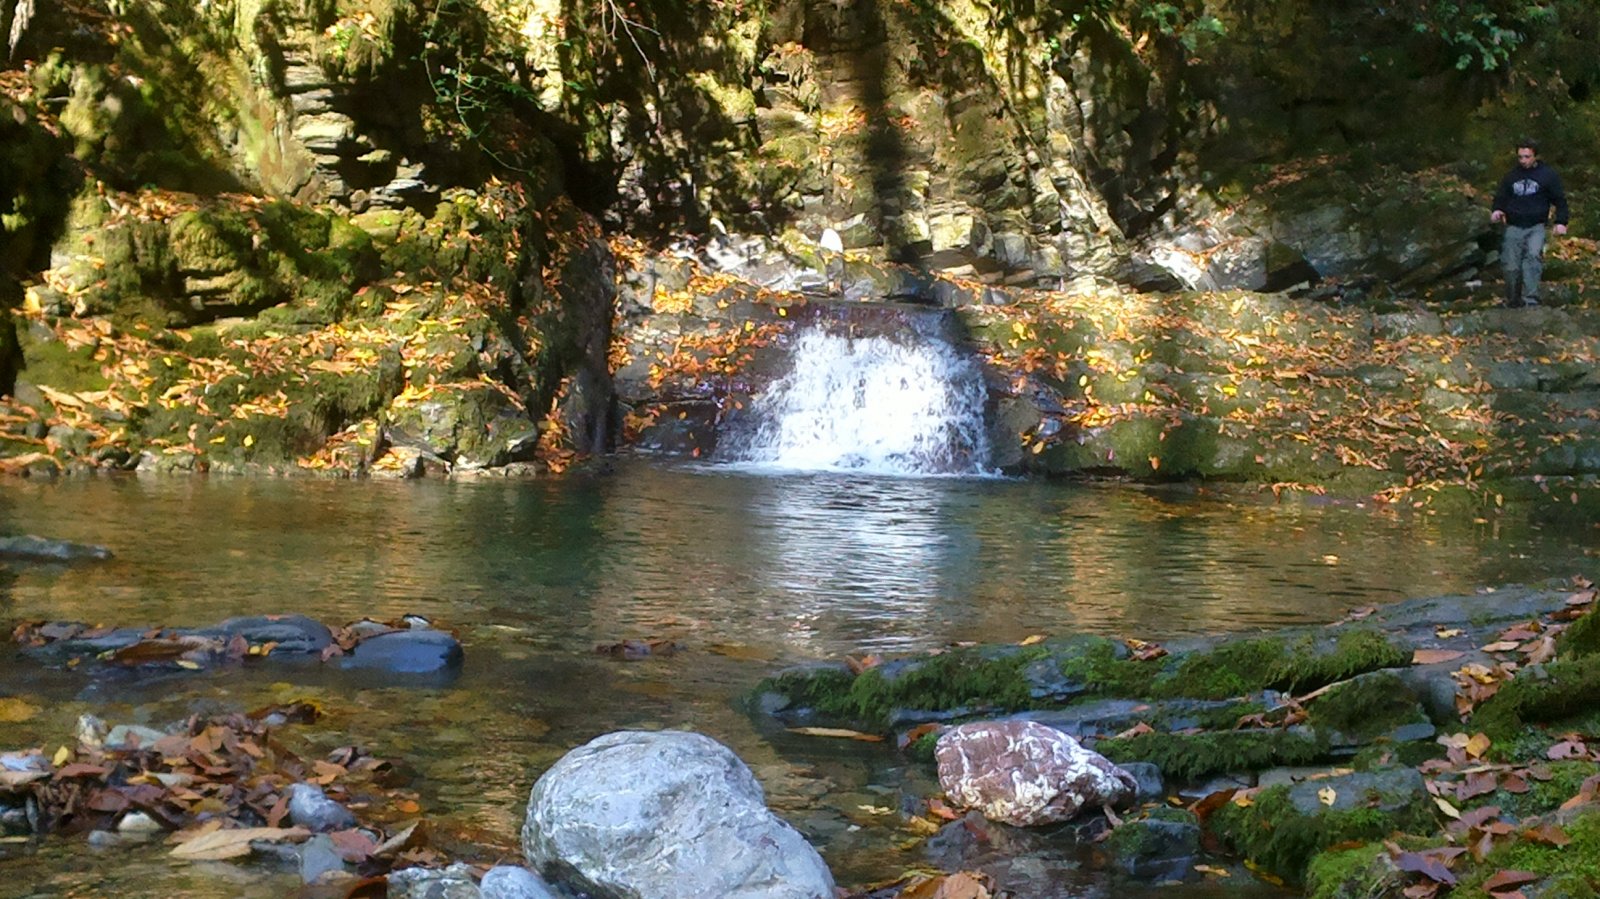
(1024, 773)
(665, 815)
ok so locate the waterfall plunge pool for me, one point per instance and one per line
(747, 572)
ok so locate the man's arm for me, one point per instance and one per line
(1558, 198)
(1502, 196)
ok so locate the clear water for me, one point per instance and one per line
(747, 572)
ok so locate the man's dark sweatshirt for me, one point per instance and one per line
(1526, 195)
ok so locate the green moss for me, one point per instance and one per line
(1232, 669)
(1102, 668)
(1192, 756)
(1560, 689)
(1543, 796)
(54, 364)
(1367, 707)
(1277, 836)
(1581, 637)
(1358, 873)
(1571, 871)
(989, 678)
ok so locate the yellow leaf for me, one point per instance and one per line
(1477, 746)
(1327, 795)
(1441, 383)
(1445, 806)
(62, 756)
(1445, 633)
(1032, 639)
(191, 665)
(249, 440)
(221, 844)
(837, 732)
(13, 709)
(1213, 870)
(1155, 463)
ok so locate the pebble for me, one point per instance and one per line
(513, 882)
(311, 808)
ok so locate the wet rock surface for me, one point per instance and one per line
(29, 548)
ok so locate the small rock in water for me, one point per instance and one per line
(131, 736)
(454, 882)
(91, 732)
(138, 822)
(311, 808)
(318, 857)
(513, 882)
(41, 549)
(416, 651)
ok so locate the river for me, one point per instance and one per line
(747, 571)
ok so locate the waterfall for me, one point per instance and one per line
(904, 403)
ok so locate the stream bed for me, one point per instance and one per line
(745, 571)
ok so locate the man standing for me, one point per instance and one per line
(1523, 203)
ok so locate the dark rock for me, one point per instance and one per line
(1161, 846)
(1149, 785)
(291, 633)
(415, 651)
(42, 549)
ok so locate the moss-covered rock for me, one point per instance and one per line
(1188, 757)
(1283, 827)
(1540, 694)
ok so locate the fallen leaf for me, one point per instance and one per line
(1213, 870)
(1435, 656)
(1548, 834)
(13, 710)
(221, 844)
(1445, 806)
(1477, 745)
(1327, 795)
(841, 732)
(1505, 879)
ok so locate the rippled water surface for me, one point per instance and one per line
(746, 571)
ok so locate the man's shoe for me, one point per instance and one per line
(1530, 302)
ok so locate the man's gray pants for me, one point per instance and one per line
(1521, 256)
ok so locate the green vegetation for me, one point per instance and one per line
(1275, 834)
(1188, 757)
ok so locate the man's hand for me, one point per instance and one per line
(1497, 216)
(1561, 229)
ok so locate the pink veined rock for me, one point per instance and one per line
(1024, 773)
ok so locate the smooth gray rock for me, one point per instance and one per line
(318, 856)
(291, 633)
(415, 651)
(310, 807)
(666, 815)
(513, 882)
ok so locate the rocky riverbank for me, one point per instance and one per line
(1429, 744)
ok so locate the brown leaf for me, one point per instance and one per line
(1427, 889)
(1506, 879)
(221, 844)
(841, 732)
(1548, 834)
(1435, 656)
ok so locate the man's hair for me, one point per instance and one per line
(1528, 143)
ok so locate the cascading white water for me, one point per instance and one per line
(869, 404)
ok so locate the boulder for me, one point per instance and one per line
(415, 651)
(1025, 773)
(668, 815)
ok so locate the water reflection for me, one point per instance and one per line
(748, 572)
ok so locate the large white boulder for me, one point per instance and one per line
(665, 815)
